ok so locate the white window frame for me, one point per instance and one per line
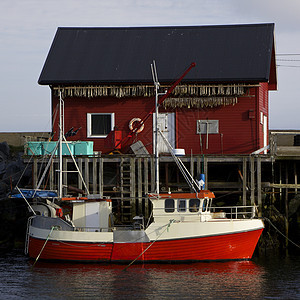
(89, 124)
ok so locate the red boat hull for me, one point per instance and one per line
(69, 251)
(223, 247)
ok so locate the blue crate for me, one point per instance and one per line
(48, 148)
(34, 148)
(84, 148)
(65, 150)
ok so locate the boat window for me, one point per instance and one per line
(181, 205)
(169, 205)
(204, 205)
(194, 205)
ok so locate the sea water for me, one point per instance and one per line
(262, 278)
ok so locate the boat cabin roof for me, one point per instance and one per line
(199, 195)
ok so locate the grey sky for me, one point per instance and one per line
(28, 28)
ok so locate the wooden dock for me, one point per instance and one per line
(128, 178)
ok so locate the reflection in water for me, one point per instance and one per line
(235, 280)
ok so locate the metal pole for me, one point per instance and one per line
(156, 142)
(156, 84)
(60, 145)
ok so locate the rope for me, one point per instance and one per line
(281, 232)
(168, 225)
(52, 228)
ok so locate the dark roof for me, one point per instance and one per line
(102, 55)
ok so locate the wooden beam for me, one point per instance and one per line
(94, 175)
(100, 176)
(86, 172)
(244, 181)
(206, 172)
(34, 172)
(285, 186)
(286, 204)
(152, 170)
(140, 186)
(146, 186)
(132, 187)
(258, 167)
(79, 163)
(252, 175)
(296, 178)
(52, 175)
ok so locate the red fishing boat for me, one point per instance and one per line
(183, 227)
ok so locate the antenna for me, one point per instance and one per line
(154, 73)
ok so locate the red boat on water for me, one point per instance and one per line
(183, 227)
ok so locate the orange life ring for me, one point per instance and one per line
(140, 129)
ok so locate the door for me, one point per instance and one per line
(166, 124)
(92, 216)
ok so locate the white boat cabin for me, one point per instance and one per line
(182, 206)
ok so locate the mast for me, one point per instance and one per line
(61, 133)
(157, 103)
(156, 84)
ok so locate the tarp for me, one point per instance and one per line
(29, 194)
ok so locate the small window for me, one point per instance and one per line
(207, 126)
(169, 205)
(194, 205)
(205, 202)
(100, 124)
(181, 205)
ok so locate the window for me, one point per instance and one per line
(204, 206)
(169, 205)
(100, 124)
(194, 205)
(181, 205)
(207, 126)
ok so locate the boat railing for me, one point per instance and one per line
(60, 224)
(233, 212)
(226, 212)
(109, 229)
(93, 229)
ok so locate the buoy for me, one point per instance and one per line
(141, 127)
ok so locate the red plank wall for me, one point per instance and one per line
(240, 131)
(237, 129)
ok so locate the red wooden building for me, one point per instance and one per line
(220, 107)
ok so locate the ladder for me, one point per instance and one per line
(127, 190)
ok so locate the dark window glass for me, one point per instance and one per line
(181, 205)
(204, 205)
(101, 124)
(169, 205)
(194, 205)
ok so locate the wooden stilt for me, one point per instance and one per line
(286, 205)
(252, 180)
(86, 172)
(258, 167)
(140, 187)
(100, 176)
(244, 181)
(95, 175)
